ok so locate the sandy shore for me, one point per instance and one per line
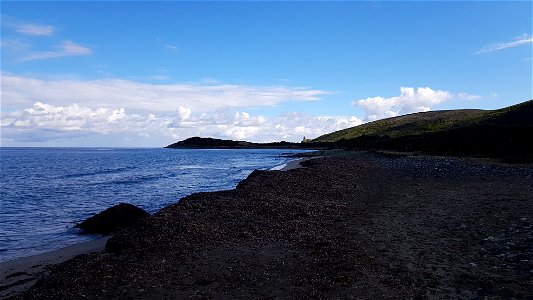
(20, 274)
(297, 163)
(369, 226)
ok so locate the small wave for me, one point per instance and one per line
(200, 167)
(193, 167)
(135, 180)
(100, 172)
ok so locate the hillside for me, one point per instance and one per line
(417, 123)
(504, 133)
(434, 121)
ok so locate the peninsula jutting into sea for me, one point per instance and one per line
(385, 222)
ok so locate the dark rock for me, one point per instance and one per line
(111, 219)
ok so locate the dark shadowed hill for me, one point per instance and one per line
(505, 133)
(211, 143)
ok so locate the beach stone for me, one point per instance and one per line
(113, 218)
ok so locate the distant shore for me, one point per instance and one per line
(368, 225)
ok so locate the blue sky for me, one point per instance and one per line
(150, 73)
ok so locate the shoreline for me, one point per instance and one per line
(18, 275)
(370, 225)
(292, 164)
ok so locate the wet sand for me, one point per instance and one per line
(370, 226)
(20, 274)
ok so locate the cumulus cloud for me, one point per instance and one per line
(43, 122)
(138, 96)
(238, 125)
(47, 110)
(64, 108)
(117, 114)
(518, 41)
(66, 48)
(63, 118)
(411, 100)
(184, 112)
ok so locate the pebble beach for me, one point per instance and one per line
(364, 226)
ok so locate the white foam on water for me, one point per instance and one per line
(277, 168)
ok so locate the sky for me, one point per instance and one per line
(147, 74)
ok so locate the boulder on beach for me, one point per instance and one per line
(113, 218)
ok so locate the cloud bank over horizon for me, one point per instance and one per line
(43, 122)
(19, 90)
(38, 110)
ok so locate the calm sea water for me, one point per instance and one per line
(44, 192)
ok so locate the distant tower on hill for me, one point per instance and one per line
(304, 140)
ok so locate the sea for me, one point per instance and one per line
(45, 192)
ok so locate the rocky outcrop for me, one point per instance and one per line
(111, 219)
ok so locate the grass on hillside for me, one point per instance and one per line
(431, 122)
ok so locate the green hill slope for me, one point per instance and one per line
(505, 133)
(434, 121)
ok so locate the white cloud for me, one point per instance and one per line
(183, 112)
(22, 50)
(33, 29)
(74, 118)
(245, 126)
(411, 100)
(45, 116)
(171, 47)
(117, 114)
(51, 110)
(45, 110)
(521, 40)
(15, 45)
(43, 122)
(67, 48)
(136, 96)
